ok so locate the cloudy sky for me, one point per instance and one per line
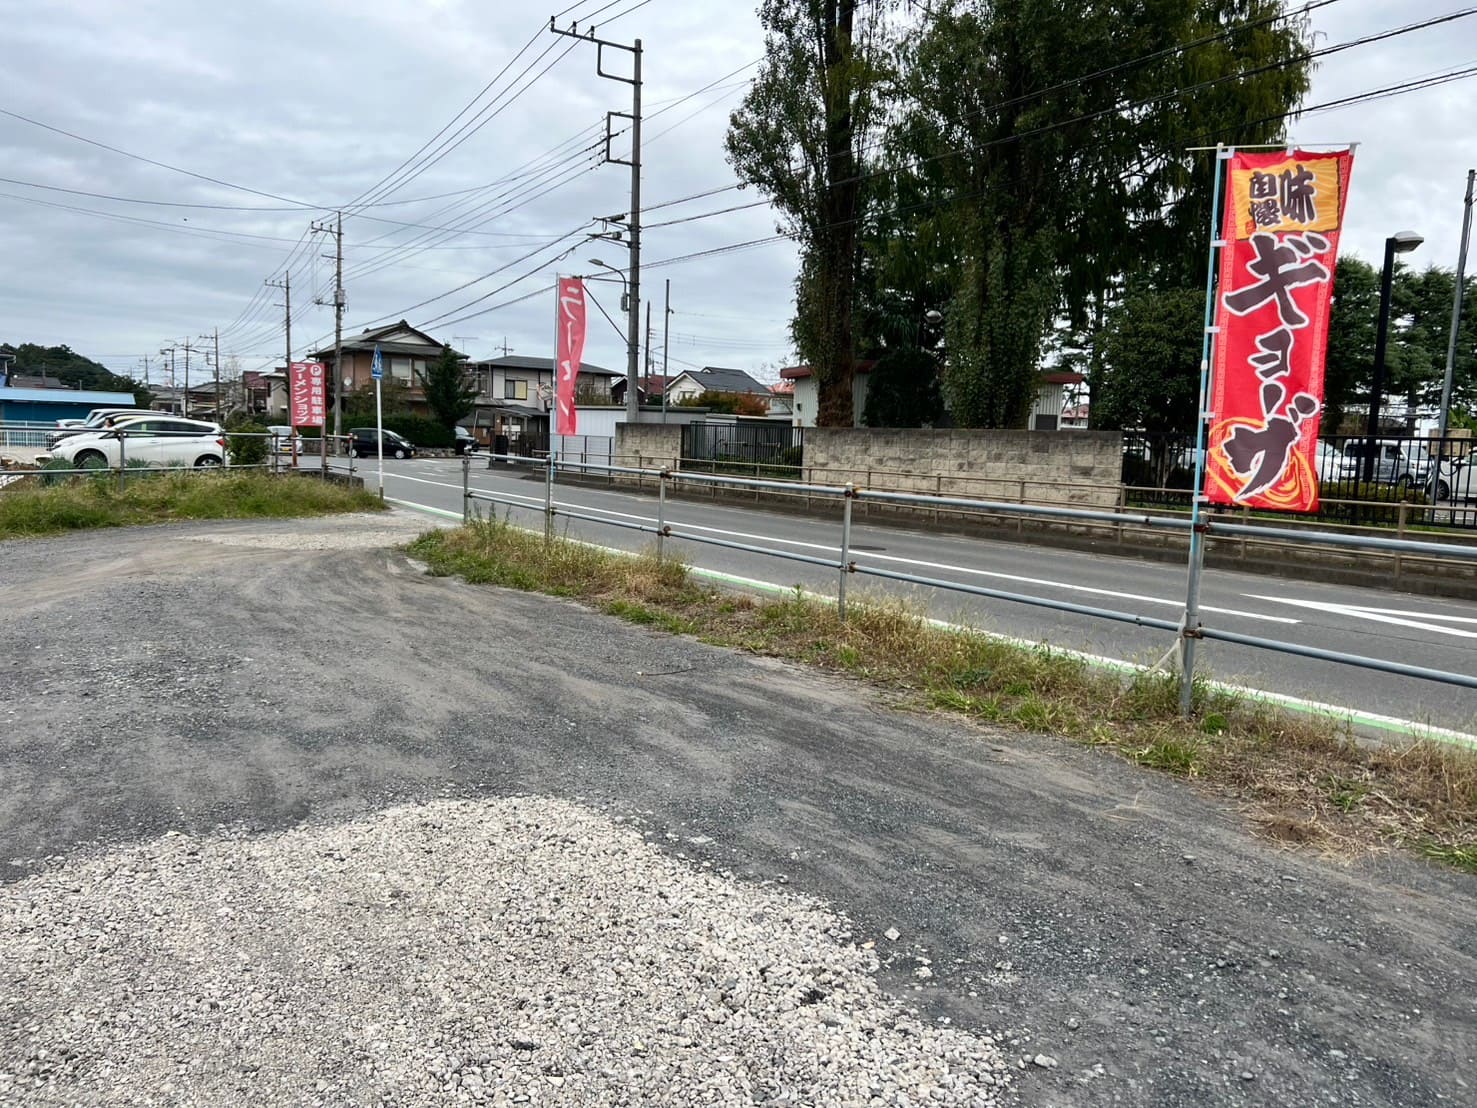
(290, 107)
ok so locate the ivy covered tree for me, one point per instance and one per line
(801, 137)
(903, 390)
(1148, 360)
(1054, 178)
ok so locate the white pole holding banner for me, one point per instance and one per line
(377, 371)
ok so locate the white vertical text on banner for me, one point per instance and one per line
(571, 348)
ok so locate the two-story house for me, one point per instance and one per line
(404, 351)
(515, 394)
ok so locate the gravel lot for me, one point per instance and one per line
(494, 951)
(264, 724)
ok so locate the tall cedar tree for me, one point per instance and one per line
(800, 136)
(1054, 175)
(444, 383)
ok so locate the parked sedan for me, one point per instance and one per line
(364, 443)
(466, 442)
(96, 420)
(161, 441)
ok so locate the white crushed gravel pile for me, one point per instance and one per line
(492, 952)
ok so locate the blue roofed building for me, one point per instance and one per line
(25, 405)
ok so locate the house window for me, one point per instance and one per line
(515, 388)
(400, 369)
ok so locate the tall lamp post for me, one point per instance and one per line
(632, 400)
(1402, 242)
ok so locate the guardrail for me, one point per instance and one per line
(1188, 629)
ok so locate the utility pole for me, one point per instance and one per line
(337, 231)
(666, 345)
(216, 335)
(186, 393)
(633, 321)
(170, 351)
(286, 286)
(647, 373)
(1456, 319)
(506, 348)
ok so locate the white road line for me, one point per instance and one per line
(1017, 578)
(1372, 720)
(1420, 621)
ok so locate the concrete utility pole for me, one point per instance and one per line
(216, 335)
(666, 345)
(186, 393)
(1456, 314)
(633, 320)
(286, 286)
(170, 351)
(337, 231)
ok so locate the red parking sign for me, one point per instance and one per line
(305, 382)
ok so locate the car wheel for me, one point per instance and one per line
(1443, 491)
(399, 453)
(354, 452)
(207, 461)
(90, 459)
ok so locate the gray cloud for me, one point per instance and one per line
(317, 102)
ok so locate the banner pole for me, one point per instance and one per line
(379, 435)
(1190, 632)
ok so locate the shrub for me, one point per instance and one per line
(247, 443)
(421, 430)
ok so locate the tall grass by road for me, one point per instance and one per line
(85, 502)
(1302, 780)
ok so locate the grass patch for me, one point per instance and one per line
(158, 497)
(1305, 780)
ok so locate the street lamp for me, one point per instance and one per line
(633, 400)
(625, 285)
(1402, 242)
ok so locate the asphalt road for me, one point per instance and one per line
(262, 674)
(1434, 633)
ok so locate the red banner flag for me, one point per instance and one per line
(305, 383)
(570, 331)
(1283, 212)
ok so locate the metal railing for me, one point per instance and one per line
(848, 563)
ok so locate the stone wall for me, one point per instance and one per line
(1080, 468)
(653, 445)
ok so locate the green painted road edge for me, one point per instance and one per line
(1317, 709)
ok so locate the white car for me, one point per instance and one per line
(160, 440)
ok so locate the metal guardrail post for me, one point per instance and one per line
(1401, 520)
(845, 552)
(466, 488)
(549, 498)
(122, 459)
(661, 512)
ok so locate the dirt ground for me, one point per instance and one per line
(1117, 923)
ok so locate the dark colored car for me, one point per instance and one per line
(466, 442)
(364, 443)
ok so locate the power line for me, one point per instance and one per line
(153, 162)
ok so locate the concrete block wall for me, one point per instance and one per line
(653, 445)
(1080, 468)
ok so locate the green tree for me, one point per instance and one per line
(1148, 360)
(1349, 358)
(359, 404)
(74, 370)
(903, 390)
(1415, 354)
(801, 137)
(448, 393)
(1050, 189)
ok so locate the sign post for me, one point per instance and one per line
(305, 382)
(377, 371)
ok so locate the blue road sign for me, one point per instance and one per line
(377, 367)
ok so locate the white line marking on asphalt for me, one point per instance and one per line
(1372, 720)
(945, 566)
(1420, 621)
